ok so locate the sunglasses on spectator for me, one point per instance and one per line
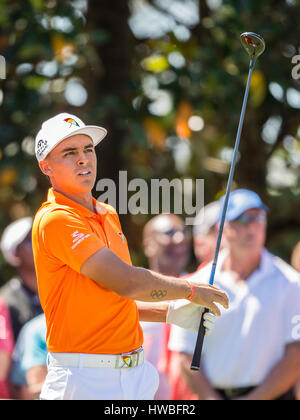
(246, 219)
(171, 232)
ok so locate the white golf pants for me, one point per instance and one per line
(82, 383)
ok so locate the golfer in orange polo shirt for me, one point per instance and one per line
(92, 296)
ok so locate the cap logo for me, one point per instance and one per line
(71, 121)
(41, 147)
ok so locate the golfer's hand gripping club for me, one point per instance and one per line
(208, 296)
(255, 46)
(187, 315)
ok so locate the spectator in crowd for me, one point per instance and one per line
(295, 258)
(253, 352)
(205, 232)
(6, 349)
(29, 368)
(166, 244)
(20, 293)
(295, 262)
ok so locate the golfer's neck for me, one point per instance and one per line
(85, 200)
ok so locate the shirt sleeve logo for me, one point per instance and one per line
(78, 238)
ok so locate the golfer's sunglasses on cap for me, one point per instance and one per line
(246, 219)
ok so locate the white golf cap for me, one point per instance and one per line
(59, 128)
(206, 218)
(13, 235)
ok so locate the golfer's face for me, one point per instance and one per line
(73, 164)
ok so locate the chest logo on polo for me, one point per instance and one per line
(122, 236)
(71, 121)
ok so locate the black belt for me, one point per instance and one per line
(230, 393)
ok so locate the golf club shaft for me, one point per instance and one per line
(201, 333)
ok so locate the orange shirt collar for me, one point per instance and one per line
(59, 198)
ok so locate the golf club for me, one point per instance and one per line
(254, 45)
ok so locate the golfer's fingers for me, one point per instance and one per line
(209, 317)
(213, 287)
(221, 298)
(214, 309)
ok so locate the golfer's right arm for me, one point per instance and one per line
(145, 285)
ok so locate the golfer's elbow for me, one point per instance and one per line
(127, 283)
(135, 285)
(106, 268)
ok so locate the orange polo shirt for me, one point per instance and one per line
(82, 315)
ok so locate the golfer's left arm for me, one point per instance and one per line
(152, 312)
(182, 313)
(281, 378)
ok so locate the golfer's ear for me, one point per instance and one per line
(45, 167)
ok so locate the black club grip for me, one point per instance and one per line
(199, 344)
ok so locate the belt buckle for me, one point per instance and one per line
(126, 361)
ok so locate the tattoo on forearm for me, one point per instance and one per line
(158, 294)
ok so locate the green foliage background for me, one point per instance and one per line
(53, 46)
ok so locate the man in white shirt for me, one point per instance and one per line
(253, 352)
(166, 244)
(295, 262)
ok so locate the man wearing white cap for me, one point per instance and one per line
(20, 293)
(87, 284)
(205, 232)
(253, 352)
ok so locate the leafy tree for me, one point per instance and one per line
(166, 77)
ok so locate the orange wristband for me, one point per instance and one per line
(190, 297)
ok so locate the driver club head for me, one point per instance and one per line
(254, 44)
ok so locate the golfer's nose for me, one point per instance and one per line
(82, 159)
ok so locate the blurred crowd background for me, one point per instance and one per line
(166, 78)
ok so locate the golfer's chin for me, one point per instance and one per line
(82, 187)
(86, 182)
